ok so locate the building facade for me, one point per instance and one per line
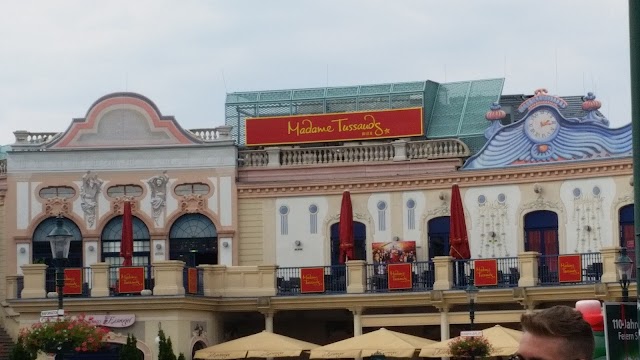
(225, 234)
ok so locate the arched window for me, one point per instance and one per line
(438, 236)
(359, 240)
(65, 192)
(541, 235)
(42, 249)
(194, 239)
(112, 235)
(626, 233)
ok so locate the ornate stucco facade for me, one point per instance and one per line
(273, 210)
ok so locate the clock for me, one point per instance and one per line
(541, 126)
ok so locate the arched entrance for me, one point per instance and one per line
(627, 239)
(541, 235)
(41, 252)
(193, 238)
(42, 249)
(199, 345)
(438, 235)
(359, 238)
(112, 235)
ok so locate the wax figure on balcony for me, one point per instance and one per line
(559, 332)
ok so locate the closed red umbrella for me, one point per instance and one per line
(346, 228)
(458, 238)
(126, 242)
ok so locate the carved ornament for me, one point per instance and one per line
(57, 206)
(192, 203)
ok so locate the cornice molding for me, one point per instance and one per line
(520, 175)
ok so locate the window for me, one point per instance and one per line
(411, 214)
(313, 219)
(284, 221)
(192, 188)
(124, 190)
(65, 192)
(111, 236)
(193, 239)
(382, 218)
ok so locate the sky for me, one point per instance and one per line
(58, 57)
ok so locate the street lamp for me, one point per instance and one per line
(472, 296)
(624, 267)
(60, 239)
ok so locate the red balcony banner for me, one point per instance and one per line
(312, 280)
(362, 125)
(192, 280)
(569, 268)
(72, 281)
(399, 276)
(131, 279)
(485, 272)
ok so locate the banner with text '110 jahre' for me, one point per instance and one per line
(362, 125)
(621, 330)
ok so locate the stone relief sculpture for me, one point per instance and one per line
(158, 186)
(492, 218)
(91, 187)
(587, 214)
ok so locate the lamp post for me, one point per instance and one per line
(624, 267)
(472, 296)
(60, 239)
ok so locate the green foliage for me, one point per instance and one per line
(130, 350)
(165, 351)
(473, 346)
(64, 335)
(181, 357)
(19, 352)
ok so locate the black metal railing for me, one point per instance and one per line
(422, 277)
(289, 280)
(505, 274)
(75, 286)
(193, 281)
(553, 272)
(117, 289)
(19, 287)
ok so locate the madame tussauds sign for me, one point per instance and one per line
(112, 321)
(362, 125)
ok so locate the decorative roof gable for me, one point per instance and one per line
(123, 120)
(544, 135)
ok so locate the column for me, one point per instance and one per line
(99, 279)
(400, 150)
(356, 276)
(34, 283)
(608, 258)
(268, 320)
(273, 154)
(357, 321)
(528, 262)
(444, 272)
(444, 323)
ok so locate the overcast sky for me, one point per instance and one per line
(58, 57)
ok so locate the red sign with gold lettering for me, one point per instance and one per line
(399, 276)
(360, 125)
(192, 280)
(485, 272)
(131, 279)
(312, 280)
(569, 268)
(72, 281)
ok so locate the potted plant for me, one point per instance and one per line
(63, 335)
(470, 347)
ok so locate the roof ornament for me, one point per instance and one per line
(494, 115)
(591, 106)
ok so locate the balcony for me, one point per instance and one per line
(528, 270)
(400, 157)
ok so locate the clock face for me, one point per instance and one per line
(541, 126)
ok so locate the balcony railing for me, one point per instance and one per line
(332, 155)
(3, 167)
(588, 270)
(422, 277)
(171, 277)
(83, 290)
(507, 271)
(289, 280)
